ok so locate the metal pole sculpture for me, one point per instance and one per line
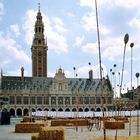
(131, 45)
(137, 76)
(126, 38)
(100, 63)
(98, 35)
(77, 105)
(115, 80)
(76, 99)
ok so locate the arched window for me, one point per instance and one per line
(19, 112)
(12, 112)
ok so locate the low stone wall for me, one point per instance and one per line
(28, 127)
(27, 119)
(49, 133)
(34, 137)
(71, 122)
(125, 119)
(114, 125)
(118, 138)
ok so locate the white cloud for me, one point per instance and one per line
(79, 40)
(51, 74)
(127, 3)
(90, 48)
(9, 54)
(68, 74)
(109, 4)
(15, 29)
(28, 25)
(111, 53)
(59, 25)
(104, 30)
(89, 24)
(135, 23)
(88, 3)
(56, 41)
(1, 9)
(70, 14)
(113, 48)
(83, 71)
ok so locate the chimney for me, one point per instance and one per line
(22, 73)
(90, 75)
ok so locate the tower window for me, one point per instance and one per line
(39, 41)
(39, 29)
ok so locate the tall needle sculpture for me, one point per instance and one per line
(126, 39)
(100, 63)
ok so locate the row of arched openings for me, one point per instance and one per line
(20, 112)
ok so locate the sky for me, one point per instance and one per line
(71, 32)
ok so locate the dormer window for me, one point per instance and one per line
(60, 86)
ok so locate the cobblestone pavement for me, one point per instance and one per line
(84, 134)
(7, 132)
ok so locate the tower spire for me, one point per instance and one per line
(39, 48)
(39, 6)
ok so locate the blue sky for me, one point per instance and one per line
(70, 28)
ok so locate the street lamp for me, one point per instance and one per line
(119, 78)
(137, 76)
(126, 38)
(131, 45)
(74, 71)
(89, 65)
(111, 75)
(115, 79)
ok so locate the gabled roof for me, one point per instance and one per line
(39, 84)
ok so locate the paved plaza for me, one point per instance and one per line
(7, 132)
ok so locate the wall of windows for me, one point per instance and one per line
(12, 100)
(19, 100)
(25, 100)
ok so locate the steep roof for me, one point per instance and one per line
(43, 84)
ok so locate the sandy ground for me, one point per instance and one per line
(83, 133)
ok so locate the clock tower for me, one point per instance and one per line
(39, 49)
